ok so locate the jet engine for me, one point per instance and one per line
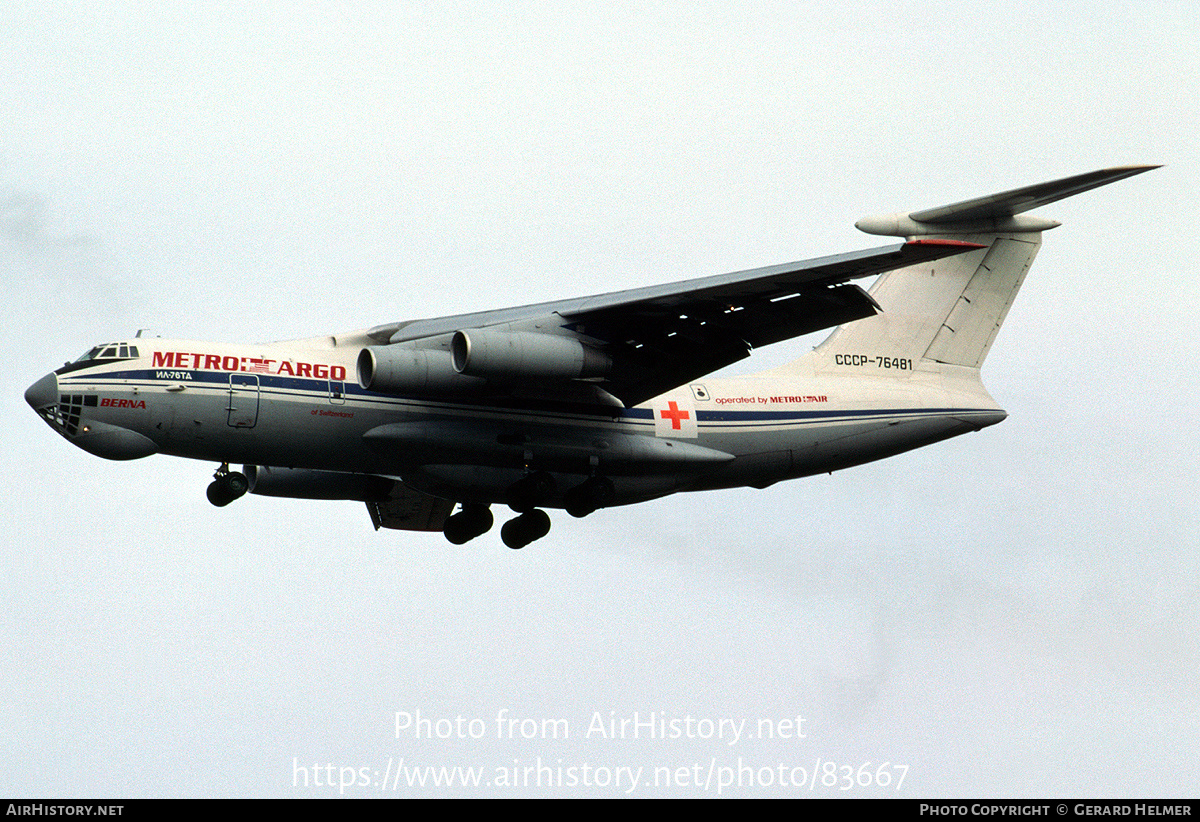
(396, 369)
(499, 355)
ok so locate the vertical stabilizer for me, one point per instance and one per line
(948, 312)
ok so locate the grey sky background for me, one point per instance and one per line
(1013, 613)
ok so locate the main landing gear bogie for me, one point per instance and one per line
(525, 498)
(475, 520)
(227, 486)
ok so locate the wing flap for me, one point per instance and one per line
(406, 509)
(668, 335)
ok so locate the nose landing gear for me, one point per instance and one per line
(227, 486)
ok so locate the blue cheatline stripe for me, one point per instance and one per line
(319, 389)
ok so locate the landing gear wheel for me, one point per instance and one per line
(467, 524)
(522, 530)
(589, 495)
(456, 531)
(237, 483)
(218, 495)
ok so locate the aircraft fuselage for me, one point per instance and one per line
(295, 407)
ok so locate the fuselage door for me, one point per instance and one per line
(243, 400)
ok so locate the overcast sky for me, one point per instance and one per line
(1011, 613)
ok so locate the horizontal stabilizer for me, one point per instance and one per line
(995, 212)
(947, 313)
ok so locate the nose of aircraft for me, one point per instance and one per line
(95, 436)
(43, 392)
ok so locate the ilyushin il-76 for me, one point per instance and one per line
(588, 403)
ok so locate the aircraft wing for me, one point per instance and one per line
(663, 336)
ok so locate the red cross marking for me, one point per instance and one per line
(675, 414)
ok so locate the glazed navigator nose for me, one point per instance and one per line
(43, 392)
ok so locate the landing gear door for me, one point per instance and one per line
(243, 400)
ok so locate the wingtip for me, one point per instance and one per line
(1121, 172)
(1138, 168)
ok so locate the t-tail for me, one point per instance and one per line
(944, 315)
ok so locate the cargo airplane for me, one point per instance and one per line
(587, 403)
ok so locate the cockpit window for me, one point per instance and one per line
(103, 353)
(110, 351)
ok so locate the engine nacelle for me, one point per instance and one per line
(396, 369)
(500, 355)
(304, 483)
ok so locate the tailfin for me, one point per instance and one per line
(948, 311)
